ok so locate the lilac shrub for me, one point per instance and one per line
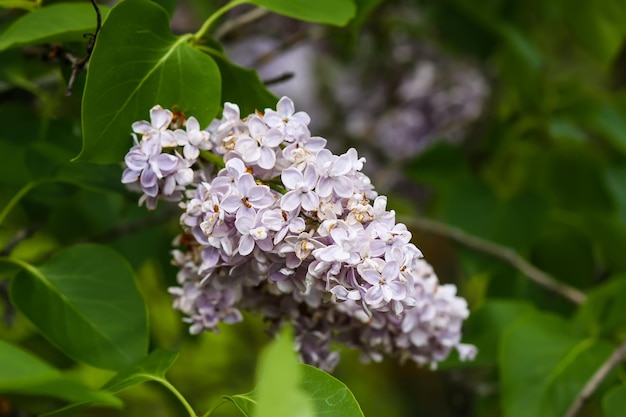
(275, 223)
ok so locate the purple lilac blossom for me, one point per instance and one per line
(287, 229)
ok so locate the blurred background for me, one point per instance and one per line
(503, 118)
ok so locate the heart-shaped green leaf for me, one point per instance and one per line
(59, 22)
(330, 396)
(23, 373)
(334, 12)
(85, 301)
(137, 62)
(544, 364)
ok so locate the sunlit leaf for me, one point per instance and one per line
(137, 63)
(23, 373)
(329, 396)
(278, 380)
(334, 12)
(85, 301)
(59, 22)
(544, 363)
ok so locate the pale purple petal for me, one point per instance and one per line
(141, 127)
(290, 201)
(310, 201)
(291, 178)
(343, 186)
(256, 126)
(246, 245)
(285, 107)
(267, 158)
(231, 203)
(191, 152)
(160, 118)
(136, 160)
(374, 295)
(130, 175)
(192, 124)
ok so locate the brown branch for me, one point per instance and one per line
(503, 253)
(79, 64)
(618, 356)
(280, 79)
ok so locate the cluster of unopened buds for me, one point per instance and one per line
(275, 223)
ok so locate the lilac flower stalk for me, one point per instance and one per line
(276, 224)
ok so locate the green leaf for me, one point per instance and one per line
(23, 373)
(86, 302)
(278, 382)
(330, 396)
(152, 368)
(246, 403)
(59, 22)
(544, 363)
(244, 87)
(334, 12)
(614, 402)
(604, 312)
(137, 62)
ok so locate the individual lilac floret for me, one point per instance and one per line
(158, 127)
(274, 223)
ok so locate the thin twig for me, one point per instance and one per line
(79, 64)
(618, 356)
(281, 48)
(239, 21)
(280, 79)
(501, 252)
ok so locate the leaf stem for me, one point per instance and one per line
(22, 264)
(16, 198)
(218, 13)
(218, 405)
(177, 394)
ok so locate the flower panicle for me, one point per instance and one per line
(288, 229)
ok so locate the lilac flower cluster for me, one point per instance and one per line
(275, 223)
